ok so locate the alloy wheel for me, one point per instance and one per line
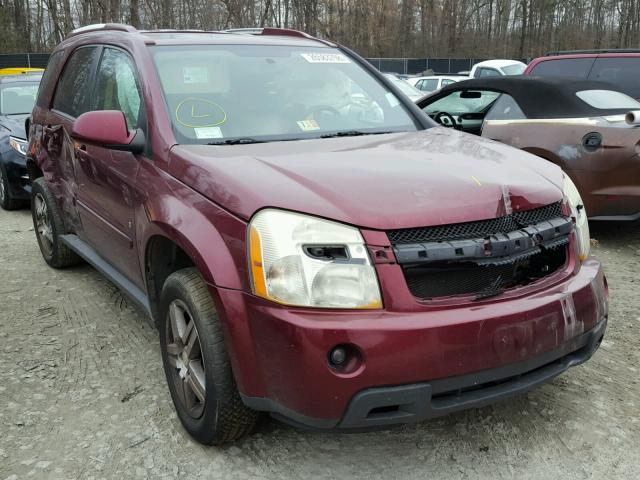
(43, 224)
(185, 357)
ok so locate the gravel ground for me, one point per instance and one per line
(83, 395)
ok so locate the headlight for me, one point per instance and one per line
(18, 145)
(301, 260)
(579, 215)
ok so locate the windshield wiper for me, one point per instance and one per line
(351, 133)
(237, 141)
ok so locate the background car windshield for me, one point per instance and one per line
(428, 84)
(515, 69)
(608, 100)
(454, 103)
(219, 92)
(17, 97)
(409, 90)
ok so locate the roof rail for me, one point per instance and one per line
(282, 32)
(102, 26)
(594, 51)
(245, 31)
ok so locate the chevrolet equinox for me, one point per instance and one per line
(307, 241)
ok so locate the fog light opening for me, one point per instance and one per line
(344, 358)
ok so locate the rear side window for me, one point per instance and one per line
(505, 108)
(608, 100)
(48, 79)
(72, 95)
(565, 67)
(624, 73)
(446, 82)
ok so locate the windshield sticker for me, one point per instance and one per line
(195, 75)
(197, 112)
(325, 58)
(308, 125)
(391, 98)
(208, 132)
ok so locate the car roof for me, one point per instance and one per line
(613, 52)
(498, 63)
(541, 97)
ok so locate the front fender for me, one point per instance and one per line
(212, 237)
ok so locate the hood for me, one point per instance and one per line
(400, 180)
(14, 124)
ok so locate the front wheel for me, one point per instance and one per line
(196, 363)
(7, 202)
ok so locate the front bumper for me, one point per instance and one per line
(414, 364)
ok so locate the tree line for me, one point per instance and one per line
(374, 28)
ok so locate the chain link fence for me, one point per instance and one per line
(405, 66)
(33, 60)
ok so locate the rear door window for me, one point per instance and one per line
(564, 67)
(72, 95)
(623, 72)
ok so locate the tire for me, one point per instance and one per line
(198, 371)
(48, 225)
(7, 202)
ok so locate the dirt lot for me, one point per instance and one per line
(82, 395)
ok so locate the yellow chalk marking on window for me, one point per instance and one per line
(476, 180)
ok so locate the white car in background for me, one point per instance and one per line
(497, 68)
(433, 83)
(409, 90)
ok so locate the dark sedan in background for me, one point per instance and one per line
(17, 97)
(580, 125)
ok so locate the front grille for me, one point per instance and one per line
(482, 281)
(479, 229)
(481, 274)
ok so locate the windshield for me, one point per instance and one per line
(216, 93)
(462, 102)
(429, 84)
(608, 100)
(410, 91)
(17, 97)
(515, 69)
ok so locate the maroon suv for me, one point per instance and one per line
(307, 241)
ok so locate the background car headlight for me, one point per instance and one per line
(579, 214)
(307, 261)
(18, 145)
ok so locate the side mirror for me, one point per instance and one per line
(108, 128)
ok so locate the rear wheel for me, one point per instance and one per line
(197, 365)
(7, 202)
(48, 224)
